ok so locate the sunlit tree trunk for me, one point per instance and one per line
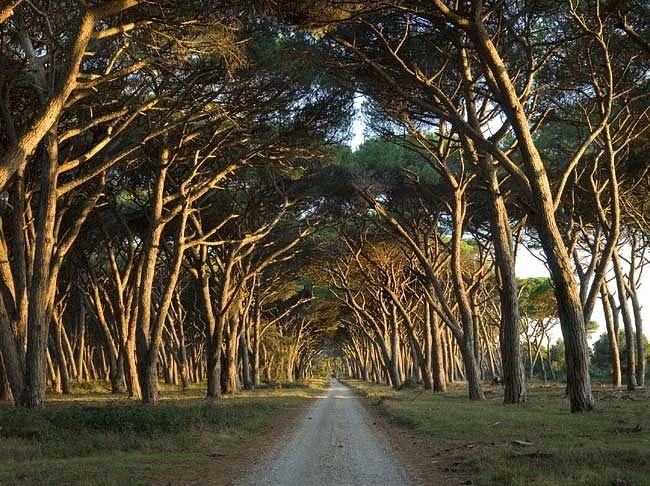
(439, 368)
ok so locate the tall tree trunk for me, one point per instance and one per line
(81, 331)
(213, 329)
(150, 329)
(570, 310)
(467, 343)
(41, 295)
(394, 362)
(231, 354)
(513, 370)
(182, 358)
(439, 372)
(640, 343)
(428, 366)
(247, 382)
(60, 353)
(257, 325)
(612, 334)
(631, 288)
(128, 351)
(630, 351)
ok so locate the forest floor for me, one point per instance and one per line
(342, 439)
(96, 438)
(537, 442)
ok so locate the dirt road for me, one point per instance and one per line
(334, 443)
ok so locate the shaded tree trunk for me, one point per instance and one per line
(41, 295)
(513, 372)
(612, 334)
(630, 351)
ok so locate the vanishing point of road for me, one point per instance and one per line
(335, 443)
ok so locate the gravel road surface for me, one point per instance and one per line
(334, 443)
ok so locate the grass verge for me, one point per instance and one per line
(539, 442)
(96, 439)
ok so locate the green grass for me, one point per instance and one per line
(539, 442)
(94, 438)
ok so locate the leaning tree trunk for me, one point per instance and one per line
(467, 343)
(570, 310)
(513, 370)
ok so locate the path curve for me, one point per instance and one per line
(336, 442)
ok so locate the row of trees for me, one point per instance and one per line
(187, 144)
(170, 137)
(399, 315)
(537, 105)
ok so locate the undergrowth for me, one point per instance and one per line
(94, 438)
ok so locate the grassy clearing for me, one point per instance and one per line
(94, 438)
(539, 442)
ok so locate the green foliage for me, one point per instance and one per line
(383, 159)
(601, 361)
(537, 300)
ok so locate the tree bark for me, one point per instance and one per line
(41, 297)
(513, 372)
(630, 350)
(439, 372)
(13, 364)
(612, 335)
(60, 353)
